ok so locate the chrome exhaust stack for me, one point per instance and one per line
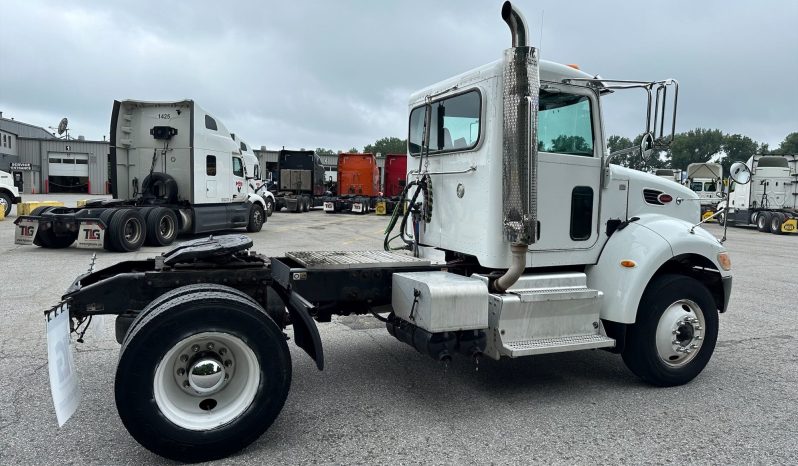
(519, 152)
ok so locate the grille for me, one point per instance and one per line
(652, 196)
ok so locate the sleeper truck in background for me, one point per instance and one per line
(546, 248)
(300, 181)
(706, 180)
(358, 184)
(252, 172)
(770, 200)
(174, 170)
(394, 176)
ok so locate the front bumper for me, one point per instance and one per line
(727, 287)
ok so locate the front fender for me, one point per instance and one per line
(256, 199)
(650, 242)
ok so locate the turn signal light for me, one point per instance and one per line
(573, 65)
(724, 260)
(628, 263)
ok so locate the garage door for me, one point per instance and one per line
(67, 164)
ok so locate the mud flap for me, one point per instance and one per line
(306, 334)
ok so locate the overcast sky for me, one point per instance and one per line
(338, 74)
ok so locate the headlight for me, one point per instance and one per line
(724, 260)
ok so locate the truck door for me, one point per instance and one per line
(569, 167)
(211, 191)
(238, 189)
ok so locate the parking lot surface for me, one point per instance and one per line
(379, 401)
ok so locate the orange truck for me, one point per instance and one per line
(358, 184)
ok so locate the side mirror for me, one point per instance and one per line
(646, 146)
(740, 173)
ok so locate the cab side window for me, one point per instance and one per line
(565, 125)
(238, 167)
(210, 165)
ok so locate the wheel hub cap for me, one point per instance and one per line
(680, 333)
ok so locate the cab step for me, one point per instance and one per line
(517, 349)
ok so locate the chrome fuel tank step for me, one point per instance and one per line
(517, 349)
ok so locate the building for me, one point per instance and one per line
(49, 164)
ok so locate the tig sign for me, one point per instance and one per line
(25, 232)
(90, 235)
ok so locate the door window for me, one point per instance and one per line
(238, 167)
(565, 125)
(454, 124)
(581, 213)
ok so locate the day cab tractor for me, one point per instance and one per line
(534, 244)
(174, 169)
(9, 193)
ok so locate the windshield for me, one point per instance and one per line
(697, 186)
(710, 186)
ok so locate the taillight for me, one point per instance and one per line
(665, 198)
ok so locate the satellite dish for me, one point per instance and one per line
(62, 126)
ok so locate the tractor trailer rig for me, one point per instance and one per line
(770, 200)
(358, 184)
(300, 181)
(174, 170)
(569, 252)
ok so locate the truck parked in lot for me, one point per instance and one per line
(174, 169)
(545, 247)
(669, 174)
(9, 194)
(394, 176)
(706, 180)
(358, 184)
(299, 186)
(770, 200)
(254, 176)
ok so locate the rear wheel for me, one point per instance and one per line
(256, 218)
(675, 333)
(161, 227)
(126, 231)
(763, 221)
(269, 207)
(47, 238)
(776, 220)
(202, 376)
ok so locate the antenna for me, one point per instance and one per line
(540, 42)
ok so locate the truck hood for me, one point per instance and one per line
(645, 188)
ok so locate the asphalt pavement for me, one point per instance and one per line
(379, 401)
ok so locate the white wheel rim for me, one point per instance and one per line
(680, 333)
(222, 402)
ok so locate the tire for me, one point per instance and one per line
(269, 207)
(127, 230)
(5, 203)
(161, 227)
(763, 221)
(182, 291)
(670, 304)
(49, 240)
(106, 216)
(776, 221)
(256, 218)
(179, 423)
(39, 239)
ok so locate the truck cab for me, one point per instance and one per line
(9, 194)
(706, 180)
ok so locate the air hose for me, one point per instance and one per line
(425, 189)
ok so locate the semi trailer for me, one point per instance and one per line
(358, 184)
(299, 185)
(770, 200)
(567, 252)
(174, 170)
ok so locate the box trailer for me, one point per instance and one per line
(358, 184)
(565, 252)
(299, 182)
(174, 169)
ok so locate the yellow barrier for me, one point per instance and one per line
(25, 208)
(81, 203)
(2, 213)
(380, 208)
(707, 214)
(790, 226)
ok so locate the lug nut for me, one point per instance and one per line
(228, 363)
(222, 351)
(195, 348)
(183, 357)
(181, 371)
(694, 346)
(186, 384)
(699, 337)
(210, 346)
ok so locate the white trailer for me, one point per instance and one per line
(706, 180)
(174, 169)
(546, 247)
(770, 200)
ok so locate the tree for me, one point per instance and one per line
(322, 151)
(790, 144)
(738, 148)
(353, 151)
(389, 145)
(695, 146)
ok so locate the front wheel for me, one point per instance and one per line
(5, 203)
(256, 218)
(675, 333)
(269, 207)
(203, 376)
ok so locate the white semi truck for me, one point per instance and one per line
(706, 180)
(255, 183)
(569, 253)
(9, 194)
(174, 170)
(770, 200)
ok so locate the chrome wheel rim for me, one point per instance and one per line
(680, 333)
(206, 380)
(166, 227)
(132, 230)
(269, 207)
